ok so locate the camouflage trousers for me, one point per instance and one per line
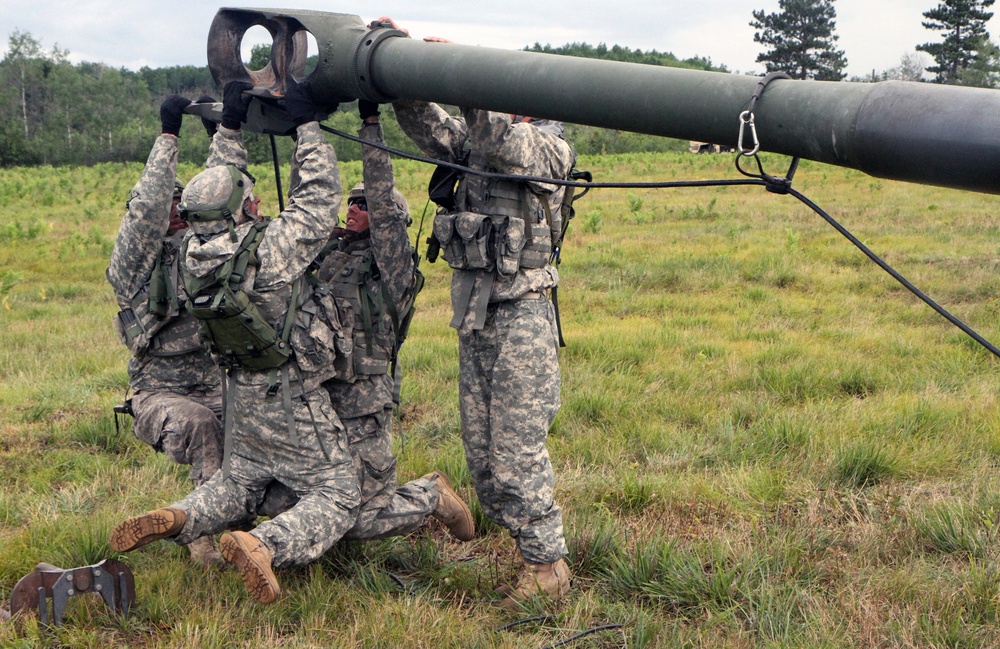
(187, 427)
(508, 396)
(312, 460)
(386, 510)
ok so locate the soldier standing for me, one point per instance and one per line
(280, 425)
(177, 400)
(507, 339)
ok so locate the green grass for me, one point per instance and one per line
(764, 441)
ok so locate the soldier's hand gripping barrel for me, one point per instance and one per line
(918, 132)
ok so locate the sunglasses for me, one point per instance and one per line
(360, 202)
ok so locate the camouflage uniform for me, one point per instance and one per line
(291, 434)
(362, 393)
(177, 402)
(509, 371)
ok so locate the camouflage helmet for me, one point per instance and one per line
(178, 188)
(358, 191)
(215, 197)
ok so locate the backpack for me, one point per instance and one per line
(232, 325)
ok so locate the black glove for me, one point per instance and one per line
(367, 109)
(235, 104)
(210, 126)
(299, 103)
(171, 112)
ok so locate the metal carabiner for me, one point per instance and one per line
(746, 117)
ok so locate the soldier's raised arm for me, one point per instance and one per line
(147, 218)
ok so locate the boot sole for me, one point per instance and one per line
(259, 580)
(138, 531)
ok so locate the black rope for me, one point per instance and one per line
(277, 174)
(774, 184)
(510, 625)
(895, 275)
(582, 634)
(537, 179)
(548, 618)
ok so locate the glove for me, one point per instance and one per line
(171, 112)
(235, 104)
(210, 126)
(367, 109)
(299, 104)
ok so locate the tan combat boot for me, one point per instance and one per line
(537, 579)
(204, 552)
(152, 526)
(451, 509)
(253, 558)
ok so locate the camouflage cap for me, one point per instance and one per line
(211, 190)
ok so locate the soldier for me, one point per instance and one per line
(177, 400)
(370, 269)
(497, 236)
(247, 280)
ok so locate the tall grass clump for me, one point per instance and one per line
(864, 465)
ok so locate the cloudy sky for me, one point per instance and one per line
(875, 34)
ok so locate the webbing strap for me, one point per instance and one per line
(529, 226)
(228, 403)
(460, 303)
(286, 395)
(463, 302)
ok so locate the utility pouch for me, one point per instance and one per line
(238, 331)
(538, 249)
(130, 331)
(510, 243)
(467, 240)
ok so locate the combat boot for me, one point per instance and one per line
(204, 552)
(550, 580)
(152, 526)
(451, 509)
(253, 558)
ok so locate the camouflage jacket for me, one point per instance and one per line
(290, 244)
(513, 148)
(172, 356)
(392, 277)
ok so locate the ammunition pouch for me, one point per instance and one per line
(473, 241)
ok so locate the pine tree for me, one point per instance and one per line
(964, 24)
(802, 40)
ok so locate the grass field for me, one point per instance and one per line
(764, 440)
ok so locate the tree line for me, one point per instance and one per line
(56, 112)
(802, 39)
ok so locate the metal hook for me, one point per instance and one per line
(746, 117)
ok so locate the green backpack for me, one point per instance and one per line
(231, 324)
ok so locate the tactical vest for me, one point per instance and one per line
(157, 323)
(365, 310)
(493, 226)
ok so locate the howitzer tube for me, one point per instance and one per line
(919, 132)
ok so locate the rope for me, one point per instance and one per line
(774, 184)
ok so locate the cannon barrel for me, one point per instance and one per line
(938, 135)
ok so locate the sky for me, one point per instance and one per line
(874, 34)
